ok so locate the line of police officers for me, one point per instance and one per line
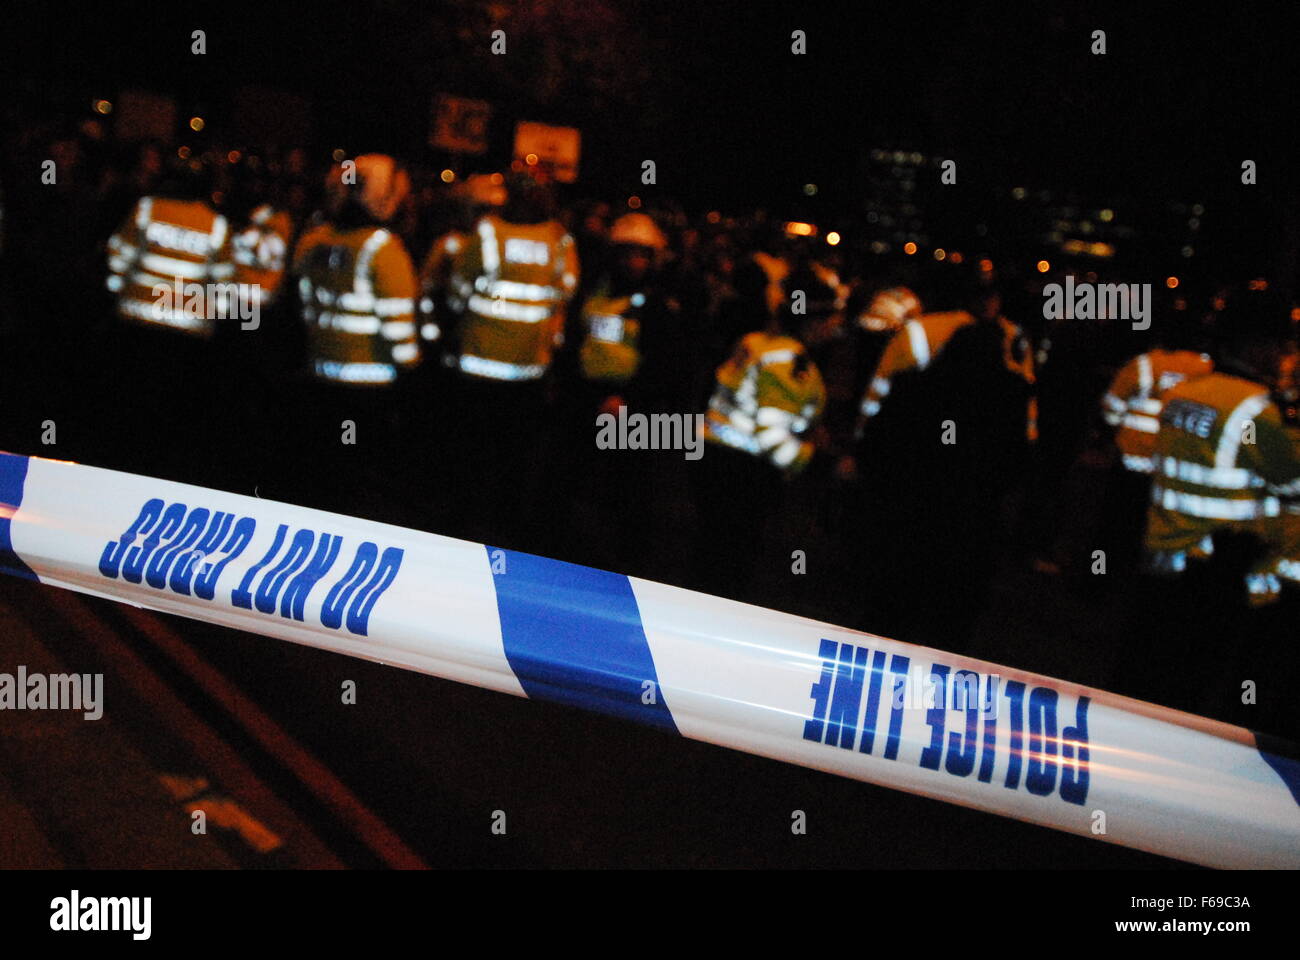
(944, 427)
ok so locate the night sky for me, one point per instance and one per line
(712, 92)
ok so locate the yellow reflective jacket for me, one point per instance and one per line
(912, 348)
(1133, 402)
(916, 345)
(170, 264)
(1223, 461)
(513, 281)
(611, 327)
(357, 288)
(767, 397)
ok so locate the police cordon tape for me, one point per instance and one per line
(773, 684)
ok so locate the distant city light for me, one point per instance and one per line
(1171, 283)
(795, 228)
(634, 202)
(1018, 193)
(810, 189)
(909, 248)
(940, 253)
(531, 159)
(338, 155)
(1106, 216)
(233, 156)
(104, 107)
(1044, 266)
(448, 176)
(1096, 248)
(196, 124)
(956, 256)
(833, 238)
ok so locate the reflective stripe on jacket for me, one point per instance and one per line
(357, 290)
(512, 282)
(1133, 402)
(1223, 462)
(767, 397)
(170, 264)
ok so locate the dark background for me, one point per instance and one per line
(711, 92)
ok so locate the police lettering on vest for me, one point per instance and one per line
(168, 244)
(511, 282)
(1223, 461)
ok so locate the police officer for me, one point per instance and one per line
(170, 273)
(357, 289)
(511, 281)
(1224, 467)
(467, 203)
(1131, 407)
(513, 278)
(759, 436)
(631, 352)
(947, 421)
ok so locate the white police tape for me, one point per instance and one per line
(1021, 745)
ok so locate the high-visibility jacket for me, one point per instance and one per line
(170, 264)
(513, 281)
(913, 347)
(920, 341)
(260, 252)
(357, 287)
(1133, 402)
(1223, 461)
(611, 328)
(1287, 567)
(767, 397)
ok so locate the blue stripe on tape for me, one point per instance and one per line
(1284, 758)
(573, 635)
(13, 476)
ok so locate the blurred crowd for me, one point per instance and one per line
(885, 433)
